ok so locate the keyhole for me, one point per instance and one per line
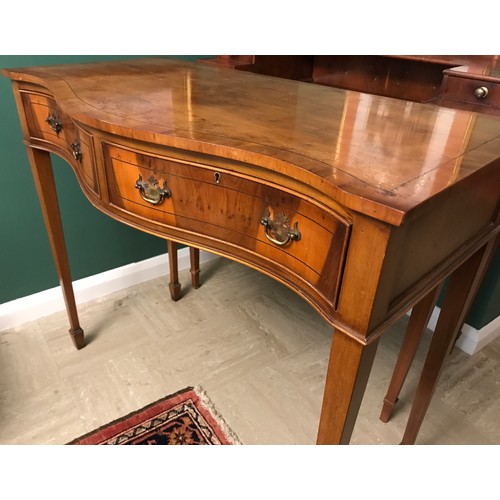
(217, 178)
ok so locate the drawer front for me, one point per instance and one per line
(49, 127)
(472, 91)
(271, 227)
(83, 145)
(46, 122)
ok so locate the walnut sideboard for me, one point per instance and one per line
(361, 204)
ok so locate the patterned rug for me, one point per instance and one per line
(186, 417)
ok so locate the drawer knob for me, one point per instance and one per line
(151, 191)
(77, 151)
(54, 123)
(480, 92)
(278, 231)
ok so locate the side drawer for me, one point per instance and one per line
(45, 121)
(50, 128)
(272, 227)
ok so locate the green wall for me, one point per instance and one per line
(487, 304)
(95, 242)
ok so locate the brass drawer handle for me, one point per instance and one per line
(54, 123)
(481, 92)
(150, 191)
(77, 151)
(278, 231)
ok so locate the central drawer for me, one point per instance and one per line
(273, 228)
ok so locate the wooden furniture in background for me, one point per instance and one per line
(359, 203)
(463, 82)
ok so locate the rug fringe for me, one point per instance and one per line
(217, 416)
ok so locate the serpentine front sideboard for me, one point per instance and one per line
(361, 204)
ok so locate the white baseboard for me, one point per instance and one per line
(471, 340)
(32, 307)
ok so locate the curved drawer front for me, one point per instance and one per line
(51, 128)
(273, 228)
(46, 121)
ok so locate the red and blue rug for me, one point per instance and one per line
(186, 417)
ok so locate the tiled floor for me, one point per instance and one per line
(258, 350)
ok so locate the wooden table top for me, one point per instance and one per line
(381, 156)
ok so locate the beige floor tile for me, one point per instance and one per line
(258, 350)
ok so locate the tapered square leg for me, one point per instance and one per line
(461, 291)
(43, 175)
(174, 285)
(194, 256)
(419, 319)
(348, 371)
